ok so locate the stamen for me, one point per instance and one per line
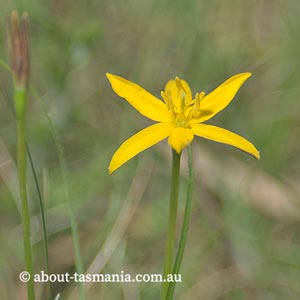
(197, 103)
(182, 100)
(201, 96)
(198, 99)
(168, 100)
(179, 84)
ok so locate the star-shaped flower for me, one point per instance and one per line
(180, 116)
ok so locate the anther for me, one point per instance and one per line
(182, 100)
(198, 99)
(168, 100)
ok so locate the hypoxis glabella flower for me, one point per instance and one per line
(180, 116)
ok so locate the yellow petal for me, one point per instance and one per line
(180, 138)
(139, 142)
(219, 98)
(145, 103)
(221, 135)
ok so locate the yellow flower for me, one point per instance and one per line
(179, 116)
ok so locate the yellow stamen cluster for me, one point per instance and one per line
(182, 107)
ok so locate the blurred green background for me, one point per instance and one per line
(244, 240)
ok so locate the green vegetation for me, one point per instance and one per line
(243, 240)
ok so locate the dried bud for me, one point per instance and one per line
(19, 48)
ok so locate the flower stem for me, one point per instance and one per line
(171, 234)
(43, 220)
(185, 226)
(20, 104)
(65, 183)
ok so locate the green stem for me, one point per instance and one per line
(74, 227)
(171, 234)
(20, 105)
(185, 226)
(65, 183)
(45, 238)
(23, 95)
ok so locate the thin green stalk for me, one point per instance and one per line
(45, 238)
(20, 105)
(74, 228)
(171, 234)
(185, 226)
(63, 167)
(19, 56)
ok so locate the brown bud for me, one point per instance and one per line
(19, 47)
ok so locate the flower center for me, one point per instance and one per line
(178, 98)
